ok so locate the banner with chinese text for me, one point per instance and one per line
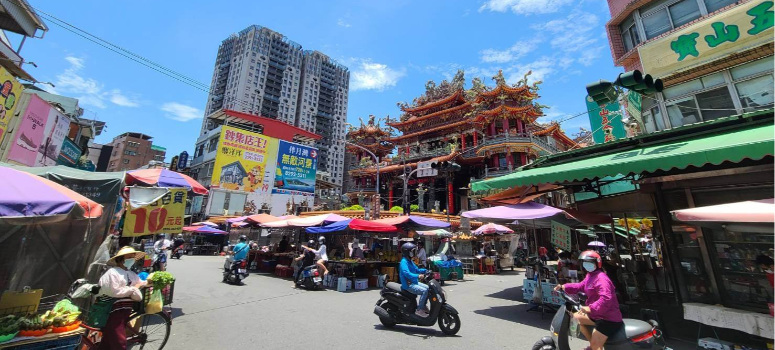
(296, 168)
(9, 94)
(165, 215)
(241, 161)
(606, 122)
(561, 236)
(743, 27)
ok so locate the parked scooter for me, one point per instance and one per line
(397, 306)
(635, 334)
(310, 278)
(236, 272)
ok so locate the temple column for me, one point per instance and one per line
(505, 126)
(520, 129)
(476, 138)
(390, 197)
(523, 158)
(492, 128)
(432, 193)
(463, 141)
(450, 198)
(510, 160)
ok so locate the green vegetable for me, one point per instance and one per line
(161, 279)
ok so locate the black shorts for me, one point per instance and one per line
(608, 328)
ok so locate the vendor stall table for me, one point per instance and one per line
(204, 250)
(59, 341)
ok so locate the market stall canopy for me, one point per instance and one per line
(435, 233)
(204, 230)
(205, 223)
(492, 228)
(240, 224)
(414, 221)
(732, 139)
(24, 195)
(353, 224)
(518, 195)
(540, 214)
(237, 219)
(164, 178)
(748, 211)
(596, 244)
(262, 218)
(316, 220)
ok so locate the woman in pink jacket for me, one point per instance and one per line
(602, 310)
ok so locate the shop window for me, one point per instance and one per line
(715, 104)
(753, 68)
(756, 93)
(629, 33)
(663, 16)
(683, 112)
(715, 5)
(684, 12)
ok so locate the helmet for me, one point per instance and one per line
(407, 248)
(591, 256)
(311, 243)
(322, 240)
(162, 236)
(243, 238)
(180, 235)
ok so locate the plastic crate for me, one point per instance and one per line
(67, 343)
(167, 293)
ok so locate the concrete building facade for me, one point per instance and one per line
(714, 56)
(132, 150)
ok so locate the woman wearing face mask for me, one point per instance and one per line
(120, 285)
(602, 310)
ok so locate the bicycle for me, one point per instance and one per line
(144, 331)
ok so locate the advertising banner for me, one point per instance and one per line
(242, 160)
(9, 94)
(165, 215)
(30, 133)
(55, 132)
(744, 27)
(70, 153)
(561, 236)
(296, 168)
(606, 122)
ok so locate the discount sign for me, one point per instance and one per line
(162, 216)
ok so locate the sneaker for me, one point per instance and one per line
(421, 313)
(426, 309)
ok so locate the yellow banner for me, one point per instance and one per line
(744, 27)
(10, 90)
(241, 160)
(165, 215)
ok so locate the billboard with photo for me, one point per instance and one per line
(54, 135)
(296, 168)
(30, 132)
(10, 91)
(241, 162)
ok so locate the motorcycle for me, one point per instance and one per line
(310, 278)
(635, 334)
(236, 272)
(178, 252)
(397, 306)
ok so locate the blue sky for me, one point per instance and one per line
(391, 47)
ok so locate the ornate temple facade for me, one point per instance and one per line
(489, 131)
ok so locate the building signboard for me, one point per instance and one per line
(296, 168)
(54, 135)
(164, 215)
(242, 160)
(30, 132)
(70, 153)
(743, 27)
(606, 122)
(9, 94)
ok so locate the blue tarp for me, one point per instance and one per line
(332, 227)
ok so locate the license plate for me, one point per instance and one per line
(242, 271)
(317, 279)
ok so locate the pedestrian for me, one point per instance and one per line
(121, 286)
(542, 251)
(422, 256)
(283, 245)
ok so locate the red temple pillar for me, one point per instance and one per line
(510, 160)
(505, 126)
(450, 199)
(463, 141)
(520, 129)
(476, 138)
(492, 128)
(390, 198)
(523, 158)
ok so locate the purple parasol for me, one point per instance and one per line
(26, 195)
(204, 230)
(596, 244)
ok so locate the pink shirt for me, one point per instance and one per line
(601, 296)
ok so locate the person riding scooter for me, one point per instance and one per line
(178, 244)
(307, 259)
(602, 310)
(320, 254)
(410, 276)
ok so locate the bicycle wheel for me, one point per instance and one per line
(151, 331)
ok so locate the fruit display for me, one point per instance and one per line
(34, 325)
(9, 326)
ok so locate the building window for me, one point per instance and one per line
(126, 161)
(662, 16)
(715, 5)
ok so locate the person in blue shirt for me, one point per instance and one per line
(411, 275)
(240, 250)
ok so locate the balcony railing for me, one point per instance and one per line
(508, 138)
(423, 154)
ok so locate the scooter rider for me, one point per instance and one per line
(307, 258)
(410, 275)
(320, 254)
(178, 243)
(240, 250)
(602, 310)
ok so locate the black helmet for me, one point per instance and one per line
(322, 240)
(311, 242)
(407, 248)
(243, 238)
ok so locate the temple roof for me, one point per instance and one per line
(527, 113)
(396, 167)
(555, 131)
(414, 119)
(426, 131)
(371, 136)
(522, 90)
(456, 97)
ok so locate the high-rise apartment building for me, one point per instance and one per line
(261, 72)
(132, 150)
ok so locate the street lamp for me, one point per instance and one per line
(406, 189)
(376, 188)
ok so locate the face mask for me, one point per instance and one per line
(411, 254)
(589, 266)
(129, 262)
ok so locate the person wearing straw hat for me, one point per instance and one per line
(121, 285)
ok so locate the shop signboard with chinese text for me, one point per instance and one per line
(165, 215)
(30, 132)
(746, 26)
(241, 162)
(548, 295)
(70, 153)
(9, 94)
(606, 122)
(561, 236)
(54, 135)
(296, 168)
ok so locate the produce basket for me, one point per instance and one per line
(166, 293)
(34, 333)
(68, 328)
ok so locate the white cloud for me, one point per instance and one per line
(181, 112)
(340, 22)
(525, 7)
(515, 52)
(370, 75)
(540, 70)
(88, 91)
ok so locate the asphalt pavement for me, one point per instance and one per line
(268, 312)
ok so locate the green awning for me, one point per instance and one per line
(693, 150)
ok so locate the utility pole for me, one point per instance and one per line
(376, 161)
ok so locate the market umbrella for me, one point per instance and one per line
(414, 222)
(542, 215)
(237, 219)
(204, 230)
(435, 233)
(262, 218)
(353, 224)
(205, 223)
(23, 195)
(596, 244)
(491, 228)
(316, 220)
(164, 178)
(747, 211)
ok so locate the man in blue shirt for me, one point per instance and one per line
(410, 275)
(241, 249)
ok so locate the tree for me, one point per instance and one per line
(396, 208)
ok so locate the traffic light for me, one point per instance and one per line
(602, 92)
(636, 81)
(445, 166)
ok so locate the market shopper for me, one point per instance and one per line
(422, 256)
(241, 249)
(602, 309)
(765, 262)
(307, 258)
(120, 286)
(355, 251)
(283, 247)
(410, 276)
(160, 248)
(320, 254)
